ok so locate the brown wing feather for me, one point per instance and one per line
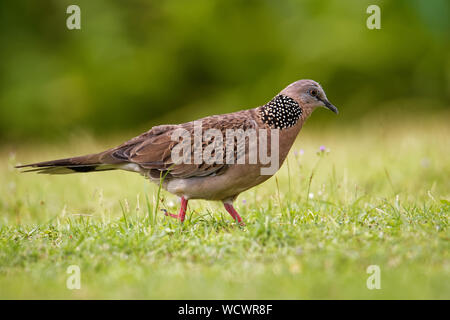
(153, 149)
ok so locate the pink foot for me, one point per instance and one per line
(229, 207)
(181, 214)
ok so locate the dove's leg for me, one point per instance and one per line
(229, 207)
(182, 213)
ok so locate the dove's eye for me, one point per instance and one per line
(314, 92)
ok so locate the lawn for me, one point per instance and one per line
(379, 195)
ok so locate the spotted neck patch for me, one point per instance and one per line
(281, 112)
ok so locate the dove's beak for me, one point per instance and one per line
(328, 105)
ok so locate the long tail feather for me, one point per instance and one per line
(87, 163)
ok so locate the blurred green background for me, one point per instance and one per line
(138, 63)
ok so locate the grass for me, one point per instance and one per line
(380, 196)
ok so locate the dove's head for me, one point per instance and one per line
(309, 94)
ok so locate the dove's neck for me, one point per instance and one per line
(286, 115)
(282, 112)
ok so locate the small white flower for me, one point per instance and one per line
(311, 195)
(425, 162)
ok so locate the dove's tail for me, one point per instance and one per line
(88, 163)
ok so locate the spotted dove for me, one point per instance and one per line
(151, 153)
